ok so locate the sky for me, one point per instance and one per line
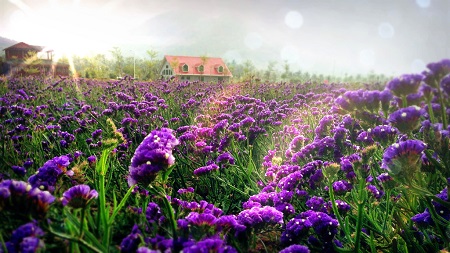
(335, 37)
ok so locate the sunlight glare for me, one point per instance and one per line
(71, 28)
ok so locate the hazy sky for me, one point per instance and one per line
(328, 36)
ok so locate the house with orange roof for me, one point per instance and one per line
(195, 68)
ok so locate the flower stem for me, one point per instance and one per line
(83, 212)
(360, 204)
(334, 207)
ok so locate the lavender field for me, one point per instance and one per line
(168, 166)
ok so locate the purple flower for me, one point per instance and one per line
(257, 216)
(28, 163)
(437, 70)
(26, 239)
(247, 122)
(227, 222)
(154, 154)
(201, 219)
(185, 191)
(19, 196)
(378, 194)
(97, 133)
(405, 84)
(324, 226)
(78, 196)
(92, 159)
(48, 174)
(19, 170)
(153, 213)
(206, 169)
(425, 219)
(383, 134)
(445, 84)
(402, 160)
(131, 242)
(220, 126)
(225, 158)
(208, 245)
(342, 206)
(146, 250)
(296, 248)
(341, 187)
(406, 119)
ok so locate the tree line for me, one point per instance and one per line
(147, 67)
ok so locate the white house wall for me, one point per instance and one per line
(166, 63)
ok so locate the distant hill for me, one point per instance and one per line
(5, 42)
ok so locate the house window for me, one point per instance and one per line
(202, 78)
(220, 78)
(188, 77)
(185, 68)
(182, 77)
(201, 68)
(220, 69)
(167, 66)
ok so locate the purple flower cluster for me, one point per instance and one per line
(206, 169)
(425, 219)
(324, 227)
(207, 245)
(405, 84)
(78, 196)
(47, 176)
(131, 242)
(153, 213)
(153, 155)
(260, 216)
(21, 197)
(25, 238)
(406, 119)
(402, 160)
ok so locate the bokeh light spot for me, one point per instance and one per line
(293, 19)
(423, 3)
(386, 30)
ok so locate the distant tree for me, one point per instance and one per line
(119, 60)
(248, 71)
(175, 63)
(151, 66)
(287, 74)
(32, 63)
(270, 74)
(204, 59)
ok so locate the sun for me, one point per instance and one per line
(71, 28)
